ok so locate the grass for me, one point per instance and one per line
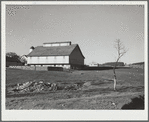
(98, 95)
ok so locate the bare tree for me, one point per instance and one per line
(121, 50)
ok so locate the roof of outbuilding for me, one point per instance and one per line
(53, 51)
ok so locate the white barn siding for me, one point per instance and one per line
(48, 60)
(56, 44)
(50, 45)
(64, 44)
(76, 57)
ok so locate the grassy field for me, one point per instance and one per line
(98, 95)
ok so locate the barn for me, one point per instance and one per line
(56, 54)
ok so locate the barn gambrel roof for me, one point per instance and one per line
(54, 50)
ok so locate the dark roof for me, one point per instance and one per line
(53, 51)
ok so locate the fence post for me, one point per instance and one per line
(35, 67)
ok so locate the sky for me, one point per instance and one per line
(95, 28)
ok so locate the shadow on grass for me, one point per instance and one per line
(99, 90)
(130, 88)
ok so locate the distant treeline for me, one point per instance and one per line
(12, 59)
(113, 64)
(139, 63)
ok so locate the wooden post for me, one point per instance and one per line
(35, 67)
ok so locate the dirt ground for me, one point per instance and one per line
(97, 94)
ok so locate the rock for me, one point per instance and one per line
(87, 84)
(34, 87)
(113, 104)
(53, 86)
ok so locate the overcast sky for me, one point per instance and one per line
(93, 27)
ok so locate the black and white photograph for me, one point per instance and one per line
(74, 60)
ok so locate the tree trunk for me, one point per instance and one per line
(115, 81)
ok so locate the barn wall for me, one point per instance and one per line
(48, 60)
(76, 57)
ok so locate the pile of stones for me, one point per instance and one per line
(32, 86)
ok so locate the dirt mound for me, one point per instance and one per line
(86, 84)
(71, 87)
(136, 103)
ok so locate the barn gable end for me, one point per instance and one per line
(76, 57)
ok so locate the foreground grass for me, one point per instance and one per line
(99, 95)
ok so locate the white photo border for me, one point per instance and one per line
(15, 115)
